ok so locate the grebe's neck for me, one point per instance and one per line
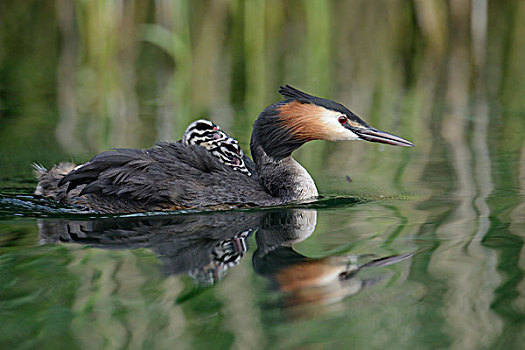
(284, 178)
(271, 147)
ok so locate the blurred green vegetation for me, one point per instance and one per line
(109, 74)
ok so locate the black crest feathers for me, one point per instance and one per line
(292, 93)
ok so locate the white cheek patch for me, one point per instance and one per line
(334, 130)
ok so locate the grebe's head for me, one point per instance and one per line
(204, 133)
(286, 125)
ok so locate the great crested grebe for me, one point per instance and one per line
(191, 174)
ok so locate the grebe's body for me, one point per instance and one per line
(208, 170)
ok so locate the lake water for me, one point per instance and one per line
(407, 248)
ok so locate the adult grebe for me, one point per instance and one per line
(181, 175)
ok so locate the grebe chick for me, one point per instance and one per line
(176, 175)
(225, 148)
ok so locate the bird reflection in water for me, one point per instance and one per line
(306, 283)
(205, 245)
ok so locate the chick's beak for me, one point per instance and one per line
(375, 135)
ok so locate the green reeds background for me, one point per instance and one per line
(129, 73)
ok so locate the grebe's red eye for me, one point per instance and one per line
(341, 119)
(215, 128)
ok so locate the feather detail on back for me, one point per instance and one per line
(171, 175)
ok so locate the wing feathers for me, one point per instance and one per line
(169, 174)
